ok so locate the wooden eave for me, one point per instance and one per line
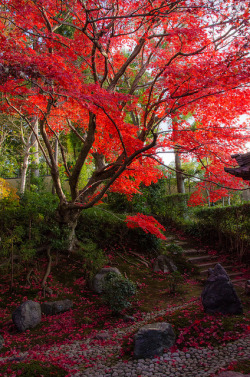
(243, 170)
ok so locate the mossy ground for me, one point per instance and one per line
(33, 369)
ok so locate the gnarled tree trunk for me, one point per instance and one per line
(67, 219)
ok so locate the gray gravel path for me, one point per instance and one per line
(101, 355)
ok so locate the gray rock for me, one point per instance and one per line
(218, 295)
(98, 280)
(27, 315)
(151, 340)
(56, 307)
(128, 318)
(163, 264)
(1, 342)
(247, 288)
(103, 335)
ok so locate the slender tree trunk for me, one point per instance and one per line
(12, 267)
(56, 160)
(208, 198)
(24, 169)
(179, 175)
(35, 154)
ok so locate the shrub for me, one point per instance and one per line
(109, 230)
(117, 291)
(173, 249)
(28, 223)
(175, 206)
(173, 281)
(93, 258)
(175, 252)
(226, 227)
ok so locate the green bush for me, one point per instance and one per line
(117, 291)
(109, 230)
(226, 227)
(173, 281)
(150, 200)
(173, 249)
(29, 222)
(93, 258)
(176, 254)
(175, 206)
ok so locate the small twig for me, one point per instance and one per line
(121, 256)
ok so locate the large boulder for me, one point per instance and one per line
(151, 340)
(98, 280)
(1, 342)
(27, 315)
(56, 307)
(218, 295)
(163, 264)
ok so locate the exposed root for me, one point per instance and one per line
(31, 273)
(121, 256)
(47, 272)
(141, 259)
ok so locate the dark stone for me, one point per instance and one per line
(247, 288)
(27, 315)
(218, 295)
(1, 342)
(151, 340)
(163, 264)
(98, 280)
(56, 307)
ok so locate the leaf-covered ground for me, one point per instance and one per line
(89, 314)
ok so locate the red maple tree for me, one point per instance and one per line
(111, 72)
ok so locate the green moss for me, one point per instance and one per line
(35, 368)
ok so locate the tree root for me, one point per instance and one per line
(141, 259)
(121, 256)
(135, 254)
(47, 272)
(28, 277)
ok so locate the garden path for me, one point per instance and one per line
(98, 356)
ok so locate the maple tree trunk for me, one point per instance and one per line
(67, 219)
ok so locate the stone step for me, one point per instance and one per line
(212, 265)
(193, 252)
(208, 265)
(203, 258)
(180, 243)
(235, 280)
(239, 273)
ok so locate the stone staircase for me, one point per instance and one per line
(203, 260)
